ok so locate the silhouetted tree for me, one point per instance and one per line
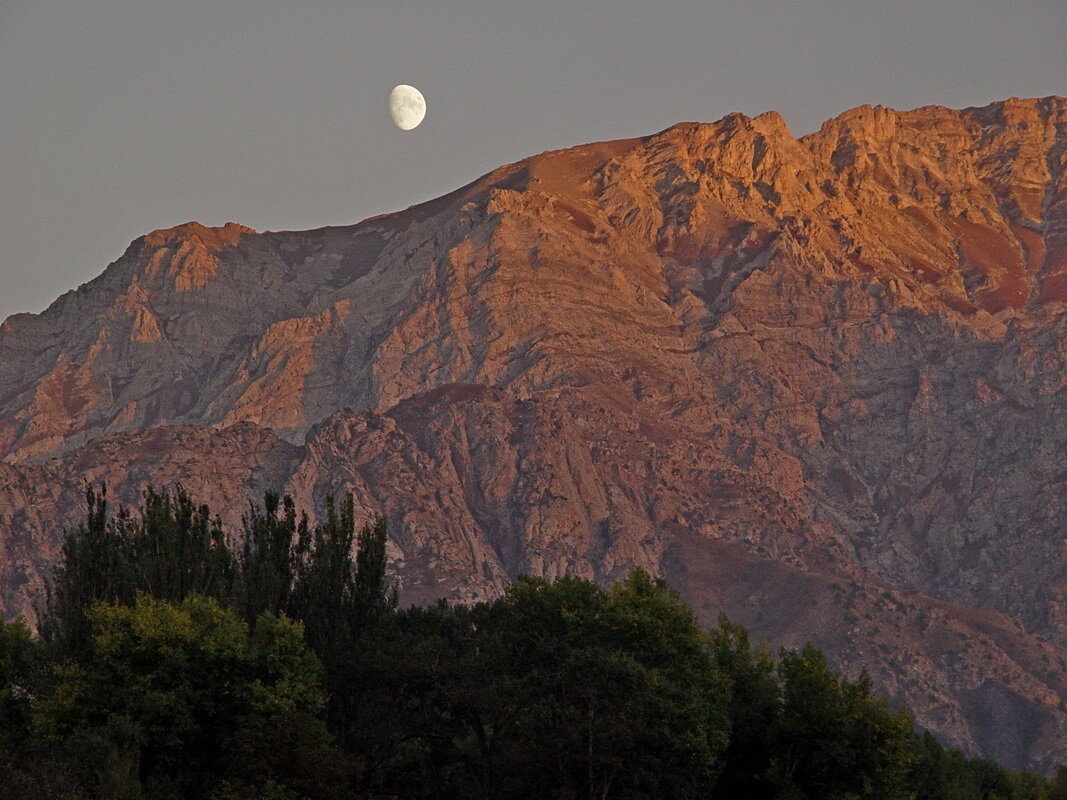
(94, 566)
(175, 668)
(175, 698)
(273, 548)
(754, 707)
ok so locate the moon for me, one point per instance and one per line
(407, 106)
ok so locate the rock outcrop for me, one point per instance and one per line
(817, 382)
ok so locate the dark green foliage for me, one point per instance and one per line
(755, 705)
(942, 774)
(325, 589)
(174, 549)
(175, 698)
(371, 596)
(272, 550)
(178, 550)
(834, 739)
(556, 690)
(22, 666)
(95, 565)
(177, 663)
(341, 603)
(1058, 788)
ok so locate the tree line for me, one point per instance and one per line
(175, 659)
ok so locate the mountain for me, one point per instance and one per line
(819, 383)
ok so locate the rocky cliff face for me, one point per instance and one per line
(817, 382)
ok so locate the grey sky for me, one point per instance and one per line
(118, 117)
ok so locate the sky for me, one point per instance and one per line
(119, 117)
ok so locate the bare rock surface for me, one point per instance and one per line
(817, 382)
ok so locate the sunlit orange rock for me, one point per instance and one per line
(817, 382)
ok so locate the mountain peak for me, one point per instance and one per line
(817, 382)
(211, 239)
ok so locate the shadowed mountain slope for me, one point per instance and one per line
(819, 383)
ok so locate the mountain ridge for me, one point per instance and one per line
(833, 361)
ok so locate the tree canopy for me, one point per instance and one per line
(180, 660)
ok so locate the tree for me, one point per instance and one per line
(1058, 784)
(649, 622)
(273, 547)
(591, 693)
(834, 738)
(176, 697)
(94, 566)
(372, 595)
(755, 706)
(342, 602)
(21, 668)
(177, 549)
(171, 550)
(182, 670)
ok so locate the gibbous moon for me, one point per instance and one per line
(407, 105)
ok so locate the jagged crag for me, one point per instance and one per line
(819, 383)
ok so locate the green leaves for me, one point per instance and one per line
(22, 666)
(273, 547)
(174, 549)
(171, 688)
(186, 665)
(558, 690)
(834, 739)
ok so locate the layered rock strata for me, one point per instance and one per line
(817, 382)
